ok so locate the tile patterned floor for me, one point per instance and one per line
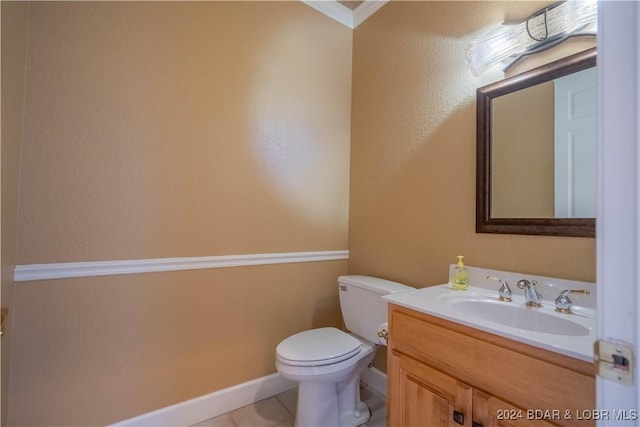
(279, 411)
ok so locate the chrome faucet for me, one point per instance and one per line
(504, 291)
(530, 293)
(563, 303)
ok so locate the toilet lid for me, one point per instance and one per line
(316, 347)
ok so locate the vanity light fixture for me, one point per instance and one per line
(542, 30)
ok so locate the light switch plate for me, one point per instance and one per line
(615, 360)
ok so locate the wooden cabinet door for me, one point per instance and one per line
(420, 396)
(489, 411)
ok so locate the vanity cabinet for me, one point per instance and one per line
(441, 373)
(489, 411)
(427, 396)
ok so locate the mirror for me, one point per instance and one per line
(535, 172)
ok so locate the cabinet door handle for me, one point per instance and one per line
(476, 424)
(458, 417)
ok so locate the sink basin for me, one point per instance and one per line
(569, 334)
(520, 317)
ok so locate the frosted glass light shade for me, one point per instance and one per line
(497, 45)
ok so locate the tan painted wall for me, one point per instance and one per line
(14, 57)
(523, 153)
(171, 130)
(412, 203)
(412, 198)
(145, 111)
(165, 129)
(92, 351)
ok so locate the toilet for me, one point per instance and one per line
(327, 362)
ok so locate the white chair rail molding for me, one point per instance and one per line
(29, 272)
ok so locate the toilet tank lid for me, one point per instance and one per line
(375, 284)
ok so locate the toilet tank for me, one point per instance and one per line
(362, 307)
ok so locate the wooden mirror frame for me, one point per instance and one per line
(573, 227)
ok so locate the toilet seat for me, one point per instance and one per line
(317, 347)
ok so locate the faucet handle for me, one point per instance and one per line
(563, 302)
(524, 283)
(504, 291)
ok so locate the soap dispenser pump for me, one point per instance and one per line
(460, 276)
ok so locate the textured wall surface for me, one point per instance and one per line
(213, 128)
(174, 129)
(412, 206)
(522, 153)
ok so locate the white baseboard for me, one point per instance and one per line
(220, 402)
(375, 380)
(211, 405)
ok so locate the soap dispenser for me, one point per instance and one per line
(460, 276)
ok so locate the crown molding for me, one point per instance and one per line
(365, 10)
(344, 15)
(332, 9)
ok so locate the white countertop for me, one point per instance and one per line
(443, 302)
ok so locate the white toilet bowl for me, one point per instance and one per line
(327, 364)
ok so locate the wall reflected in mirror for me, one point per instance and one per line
(544, 149)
